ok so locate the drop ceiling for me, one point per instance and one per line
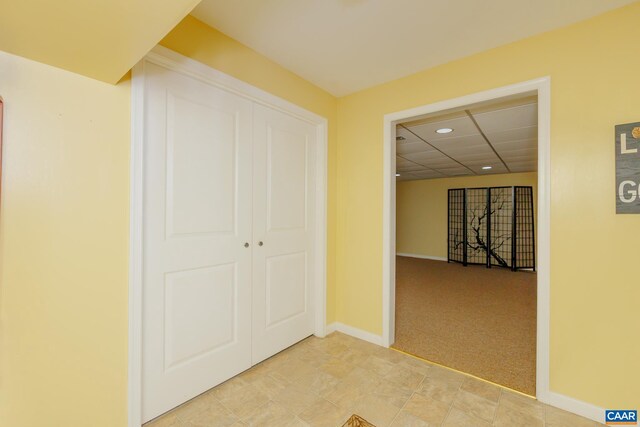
(347, 45)
(500, 137)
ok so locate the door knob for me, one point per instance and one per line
(246, 245)
(260, 243)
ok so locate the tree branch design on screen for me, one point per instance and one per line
(478, 230)
(492, 226)
(477, 226)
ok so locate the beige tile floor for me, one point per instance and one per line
(321, 382)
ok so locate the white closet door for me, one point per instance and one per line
(284, 221)
(197, 218)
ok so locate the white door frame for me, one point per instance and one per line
(171, 60)
(541, 87)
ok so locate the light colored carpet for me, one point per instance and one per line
(473, 319)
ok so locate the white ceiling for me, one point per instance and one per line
(347, 45)
(502, 135)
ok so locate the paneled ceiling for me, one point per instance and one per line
(494, 138)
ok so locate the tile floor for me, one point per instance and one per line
(322, 382)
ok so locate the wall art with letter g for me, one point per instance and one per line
(628, 168)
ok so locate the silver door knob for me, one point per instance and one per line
(260, 243)
(246, 245)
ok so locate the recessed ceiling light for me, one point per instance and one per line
(397, 174)
(400, 138)
(486, 167)
(444, 130)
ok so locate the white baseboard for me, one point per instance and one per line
(355, 332)
(572, 405)
(435, 258)
(329, 329)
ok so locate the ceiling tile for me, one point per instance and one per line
(482, 162)
(413, 147)
(523, 168)
(403, 162)
(424, 156)
(408, 136)
(460, 172)
(443, 163)
(522, 157)
(502, 103)
(409, 168)
(520, 161)
(479, 159)
(485, 158)
(427, 174)
(463, 152)
(468, 154)
(454, 170)
(462, 126)
(530, 132)
(495, 168)
(508, 118)
(469, 141)
(513, 136)
(438, 117)
(516, 145)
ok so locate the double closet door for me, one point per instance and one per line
(228, 236)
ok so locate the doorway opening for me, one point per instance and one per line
(485, 320)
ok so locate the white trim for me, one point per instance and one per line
(174, 61)
(134, 382)
(542, 87)
(389, 233)
(320, 297)
(331, 328)
(544, 237)
(355, 332)
(434, 258)
(574, 406)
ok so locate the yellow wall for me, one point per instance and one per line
(64, 229)
(101, 39)
(64, 213)
(63, 248)
(199, 41)
(594, 252)
(421, 209)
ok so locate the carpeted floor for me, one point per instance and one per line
(473, 319)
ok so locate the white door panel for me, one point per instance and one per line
(221, 172)
(194, 298)
(285, 287)
(197, 217)
(284, 220)
(194, 161)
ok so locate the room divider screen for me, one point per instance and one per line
(492, 226)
